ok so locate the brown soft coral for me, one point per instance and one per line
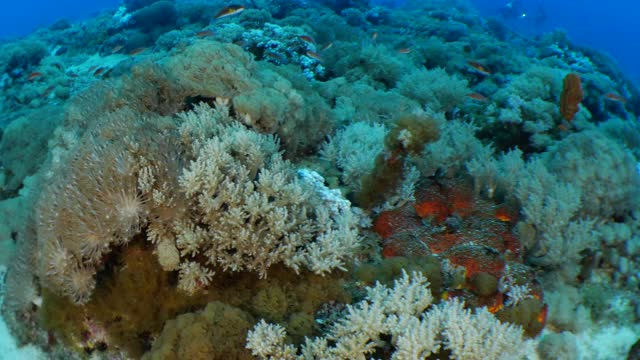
(92, 203)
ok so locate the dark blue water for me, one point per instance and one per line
(610, 26)
(20, 17)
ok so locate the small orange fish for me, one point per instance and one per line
(314, 55)
(229, 10)
(374, 36)
(404, 51)
(99, 71)
(116, 49)
(478, 97)
(503, 215)
(48, 91)
(565, 125)
(275, 57)
(34, 75)
(498, 304)
(204, 33)
(240, 43)
(327, 47)
(615, 97)
(137, 51)
(479, 67)
(542, 316)
(308, 39)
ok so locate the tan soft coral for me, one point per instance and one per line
(90, 205)
(208, 192)
(268, 99)
(216, 332)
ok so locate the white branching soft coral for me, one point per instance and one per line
(211, 195)
(435, 89)
(250, 208)
(602, 168)
(553, 228)
(354, 149)
(417, 329)
(193, 277)
(457, 144)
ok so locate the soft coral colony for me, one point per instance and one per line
(330, 180)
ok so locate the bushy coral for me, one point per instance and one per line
(238, 205)
(361, 101)
(553, 229)
(455, 147)
(91, 208)
(434, 89)
(602, 168)
(266, 100)
(26, 137)
(353, 151)
(22, 56)
(256, 210)
(382, 65)
(562, 194)
(404, 316)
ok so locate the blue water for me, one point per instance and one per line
(22, 17)
(609, 26)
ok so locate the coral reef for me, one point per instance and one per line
(406, 317)
(26, 136)
(173, 184)
(482, 257)
(236, 206)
